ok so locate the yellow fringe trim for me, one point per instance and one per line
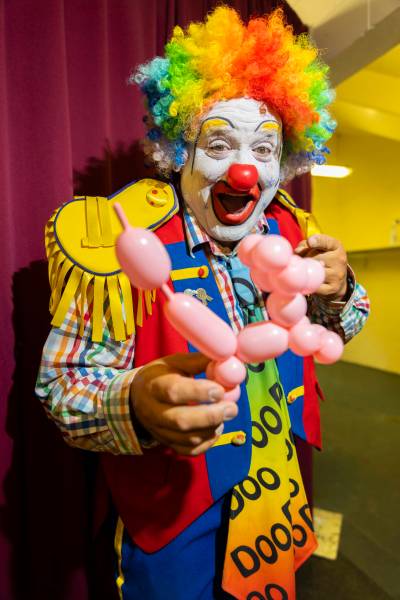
(119, 534)
(68, 280)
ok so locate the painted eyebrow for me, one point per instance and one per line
(268, 125)
(208, 124)
(216, 122)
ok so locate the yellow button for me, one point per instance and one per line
(156, 197)
(295, 393)
(236, 438)
(239, 439)
(202, 272)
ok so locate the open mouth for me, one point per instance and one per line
(232, 207)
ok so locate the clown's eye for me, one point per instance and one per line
(263, 150)
(218, 148)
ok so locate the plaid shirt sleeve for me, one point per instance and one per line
(84, 386)
(345, 318)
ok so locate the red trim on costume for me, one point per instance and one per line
(159, 494)
(290, 229)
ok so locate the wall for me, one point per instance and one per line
(360, 211)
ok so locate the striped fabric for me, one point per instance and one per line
(84, 386)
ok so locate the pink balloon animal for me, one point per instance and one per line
(273, 268)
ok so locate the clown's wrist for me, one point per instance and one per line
(344, 293)
(348, 288)
(144, 437)
(339, 301)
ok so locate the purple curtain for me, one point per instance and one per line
(68, 124)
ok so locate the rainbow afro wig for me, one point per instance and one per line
(222, 59)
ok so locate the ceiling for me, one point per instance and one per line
(316, 12)
(360, 40)
(369, 100)
(350, 33)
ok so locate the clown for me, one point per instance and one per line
(208, 492)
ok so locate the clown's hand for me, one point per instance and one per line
(178, 411)
(331, 253)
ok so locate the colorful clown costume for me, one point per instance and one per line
(159, 495)
(232, 521)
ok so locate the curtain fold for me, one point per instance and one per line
(69, 123)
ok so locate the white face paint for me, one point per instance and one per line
(243, 132)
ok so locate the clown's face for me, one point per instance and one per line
(232, 171)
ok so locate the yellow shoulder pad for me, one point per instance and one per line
(80, 238)
(307, 222)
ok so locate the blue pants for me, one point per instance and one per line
(189, 568)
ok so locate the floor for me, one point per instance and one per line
(358, 475)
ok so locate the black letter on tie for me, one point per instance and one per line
(286, 511)
(245, 571)
(275, 428)
(269, 558)
(273, 587)
(274, 484)
(263, 441)
(236, 511)
(250, 495)
(276, 393)
(306, 518)
(296, 488)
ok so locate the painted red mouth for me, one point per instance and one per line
(232, 207)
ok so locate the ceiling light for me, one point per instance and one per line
(330, 171)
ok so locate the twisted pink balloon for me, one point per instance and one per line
(273, 268)
(146, 262)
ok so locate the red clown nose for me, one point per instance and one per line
(242, 177)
